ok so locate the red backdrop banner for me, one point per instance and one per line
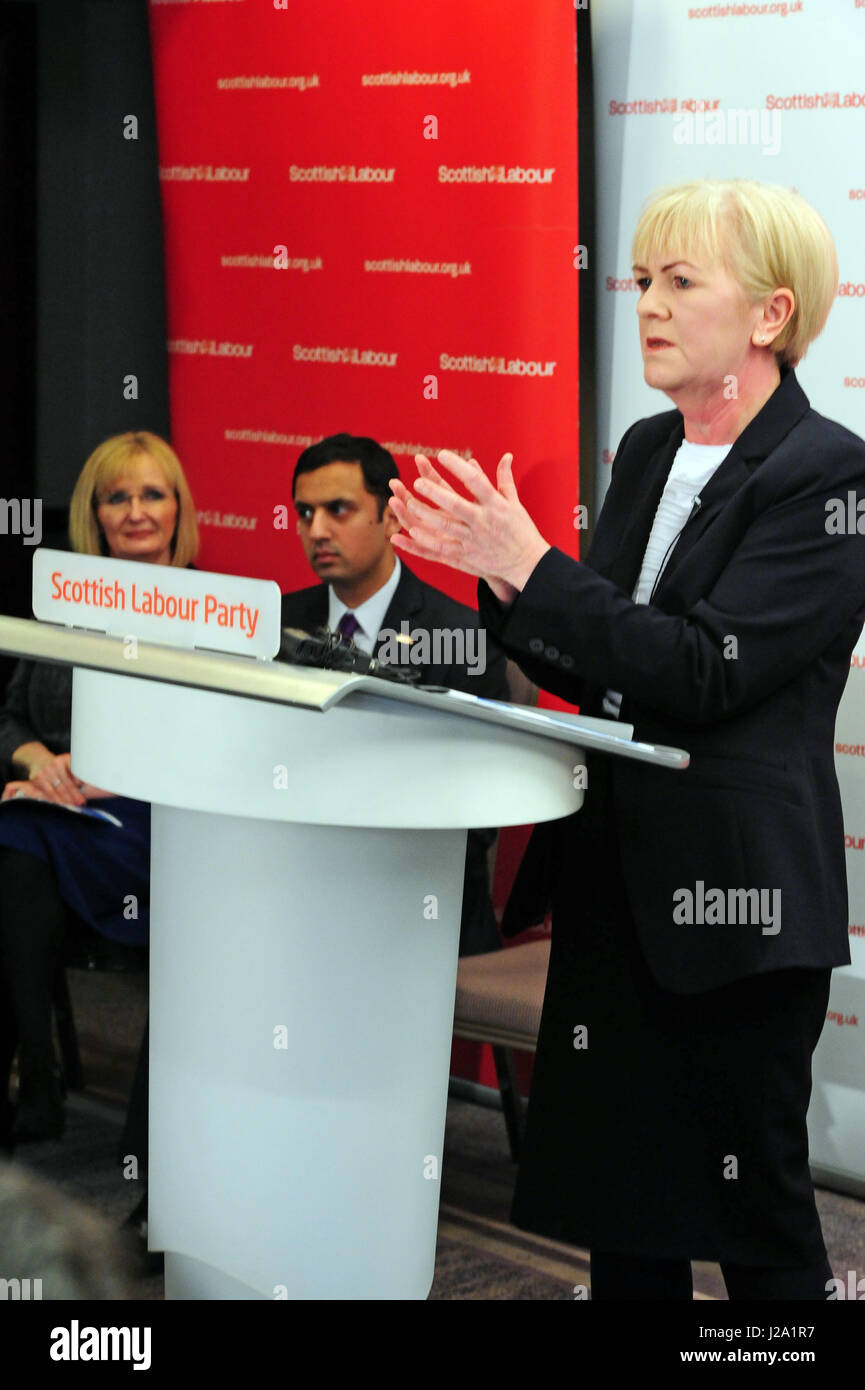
(370, 225)
(370, 218)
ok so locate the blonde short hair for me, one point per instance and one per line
(108, 461)
(766, 236)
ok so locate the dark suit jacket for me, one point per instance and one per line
(424, 607)
(741, 658)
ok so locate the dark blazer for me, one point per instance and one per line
(741, 658)
(426, 608)
(38, 707)
(423, 607)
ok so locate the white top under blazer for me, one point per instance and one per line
(692, 468)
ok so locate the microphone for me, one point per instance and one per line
(695, 507)
(333, 652)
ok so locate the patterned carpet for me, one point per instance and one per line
(480, 1256)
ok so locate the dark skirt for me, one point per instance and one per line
(678, 1129)
(103, 870)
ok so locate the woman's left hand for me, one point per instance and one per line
(492, 536)
(13, 790)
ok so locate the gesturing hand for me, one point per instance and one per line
(492, 536)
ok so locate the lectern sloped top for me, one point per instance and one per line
(229, 735)
(307, 687)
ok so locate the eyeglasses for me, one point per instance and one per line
(125, 499)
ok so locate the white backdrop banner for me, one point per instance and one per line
(774, 92)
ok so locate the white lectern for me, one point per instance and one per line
(308, 849)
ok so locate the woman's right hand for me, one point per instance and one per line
(52, 779)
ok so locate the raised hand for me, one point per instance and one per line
(492, 535)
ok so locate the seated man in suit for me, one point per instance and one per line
(341, 496)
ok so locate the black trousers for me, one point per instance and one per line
(32, 926)
(677, 1130)
(134, 1139)
(33, 923)
(630, 1278)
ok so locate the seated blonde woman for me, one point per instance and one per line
(132, 502)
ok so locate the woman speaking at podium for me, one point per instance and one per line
(696, 915)
(132, 502)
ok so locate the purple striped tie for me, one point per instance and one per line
(347, 626)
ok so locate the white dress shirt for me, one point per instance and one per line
(370, 614)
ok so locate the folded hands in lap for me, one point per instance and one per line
(52, 779)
